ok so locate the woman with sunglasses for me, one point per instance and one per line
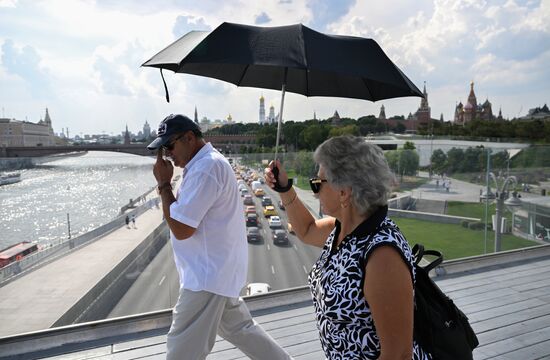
(362, 283)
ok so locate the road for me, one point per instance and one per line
(282, 267)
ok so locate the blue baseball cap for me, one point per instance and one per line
(171, 125)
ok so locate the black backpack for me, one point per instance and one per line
(439, 326)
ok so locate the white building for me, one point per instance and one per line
(25, 133)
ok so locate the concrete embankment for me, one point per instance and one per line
(84, 283)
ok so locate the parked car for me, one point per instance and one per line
(275, 222)
(269, 210)
(266, 200)
(280, 237)
(253, 234)
(251, 220)
(257, 288)
(248, 200)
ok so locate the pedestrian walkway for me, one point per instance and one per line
(38, 299)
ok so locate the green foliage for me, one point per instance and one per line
(344, 130)
(409, 145)
(464, 223)
(476, 225)
(439, 161)
(533, 156)
(314, 135)
(302, 165)
(403, 162)
(267, 136)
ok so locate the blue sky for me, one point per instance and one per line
(81, 59)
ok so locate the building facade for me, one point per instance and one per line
(422, 118)
(25, 133)
(464, 113)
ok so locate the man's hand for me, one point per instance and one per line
(163, 169)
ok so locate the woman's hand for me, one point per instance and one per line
(270, 177)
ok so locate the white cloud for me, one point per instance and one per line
(89, 54)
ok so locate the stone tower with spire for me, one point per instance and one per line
(262, 110)
(196, 116)
(126, 136)
(423, 115)
(47, 119)
(382, 115)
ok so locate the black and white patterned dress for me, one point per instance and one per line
(346, 327)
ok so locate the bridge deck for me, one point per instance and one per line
(508, 306)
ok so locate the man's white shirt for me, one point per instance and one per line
(215, 258)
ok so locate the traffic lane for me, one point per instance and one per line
(289, 264)
(155, 288)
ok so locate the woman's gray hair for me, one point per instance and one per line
(350, 161)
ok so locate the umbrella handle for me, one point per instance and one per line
(278, 188)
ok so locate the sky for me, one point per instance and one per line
(81, 58)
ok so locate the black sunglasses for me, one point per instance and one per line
(170, 146)
(315, 184)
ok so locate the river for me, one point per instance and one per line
(90, 188)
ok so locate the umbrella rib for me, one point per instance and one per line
(371, 98)
(243, 74)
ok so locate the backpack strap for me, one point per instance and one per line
(418, 252)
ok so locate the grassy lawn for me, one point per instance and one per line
(303, 182)
(454, 241)
(475, 210)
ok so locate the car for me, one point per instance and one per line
(253, 234)
(251, 220)
(244, 191)
(266, 200)
(269, 210)
(248, 200)
(280, 237)
(259, 192)
(257, 288)
(275, 222)
(281, 205)
(250, 209)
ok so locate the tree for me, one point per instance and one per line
(409, 145)
(403, 162)
(454, 160)
(408, 162)
(267, 136)
(345, 130)
(438, 161)
(400, 128)
(305, 166)
(314, 135)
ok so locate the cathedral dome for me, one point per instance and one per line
(468, 106)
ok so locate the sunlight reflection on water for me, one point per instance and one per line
(91, 188)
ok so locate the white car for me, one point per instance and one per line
(257, 288)
(275, 222)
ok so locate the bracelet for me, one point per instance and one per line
(291, 201)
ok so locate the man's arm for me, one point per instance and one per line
(180, 230)
(163, 171)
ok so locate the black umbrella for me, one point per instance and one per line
(292, 58)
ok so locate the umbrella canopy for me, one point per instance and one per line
(307, 62)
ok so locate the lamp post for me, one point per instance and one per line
(502, 198)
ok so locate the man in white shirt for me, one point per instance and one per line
(207, 231)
